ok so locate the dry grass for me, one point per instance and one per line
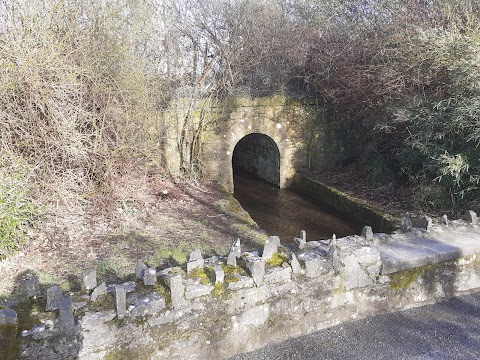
(156, 220)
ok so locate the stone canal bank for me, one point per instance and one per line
(221, 306)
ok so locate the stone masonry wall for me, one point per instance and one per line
(217, 307)
(301, 130)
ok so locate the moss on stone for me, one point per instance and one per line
(199, 274)
(232, 273)
(9, 343)
(164, 291)
(104, 302)
(219, 290)
(122, 353)
(277, 260)
(403, 279)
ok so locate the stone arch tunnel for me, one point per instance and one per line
(287, 135)
(257, 154)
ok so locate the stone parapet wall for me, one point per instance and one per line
(216, 307)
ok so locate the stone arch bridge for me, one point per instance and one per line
(271, 137)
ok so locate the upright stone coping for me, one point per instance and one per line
(295, 264)
(471, 217)
(218, 275)
(302, 240)
(66, 321)
(89, 279)
(444, 219)
(425, 223)
(256, 266)
(120, 301)
(196, 261)
(271, 247)
(406, 224)
(173, 279)
(54, 296)
(100, 290)
(367, 233)
(140, 269)
(236, 248)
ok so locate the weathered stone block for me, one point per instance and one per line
(334, 257)
(94, 320)
(54, 296)
(150, 305)
(140, 269)
(66, 321)
(354, 276)
(89, 279)
(271, 247)
(218, 275)
(100, 290)
(150, 277)
(256, 266)
(471, 217)
(8, 317)
(197, 290)
(367, 256)
(120, 301)
(314, 264)
(128, 285)
(195, 255)
(252, 317)
(367, 233)
(278, 275)
(242, 283)
(196, 264)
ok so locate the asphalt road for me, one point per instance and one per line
(449, 329)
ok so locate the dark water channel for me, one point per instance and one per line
(284, 213)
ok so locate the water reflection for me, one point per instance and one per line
(284, 213)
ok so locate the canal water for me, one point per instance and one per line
(284, 213)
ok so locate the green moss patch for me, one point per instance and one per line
(403, 279)
(199, 274)
(277, 260)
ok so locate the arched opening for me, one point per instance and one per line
(257, 154)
